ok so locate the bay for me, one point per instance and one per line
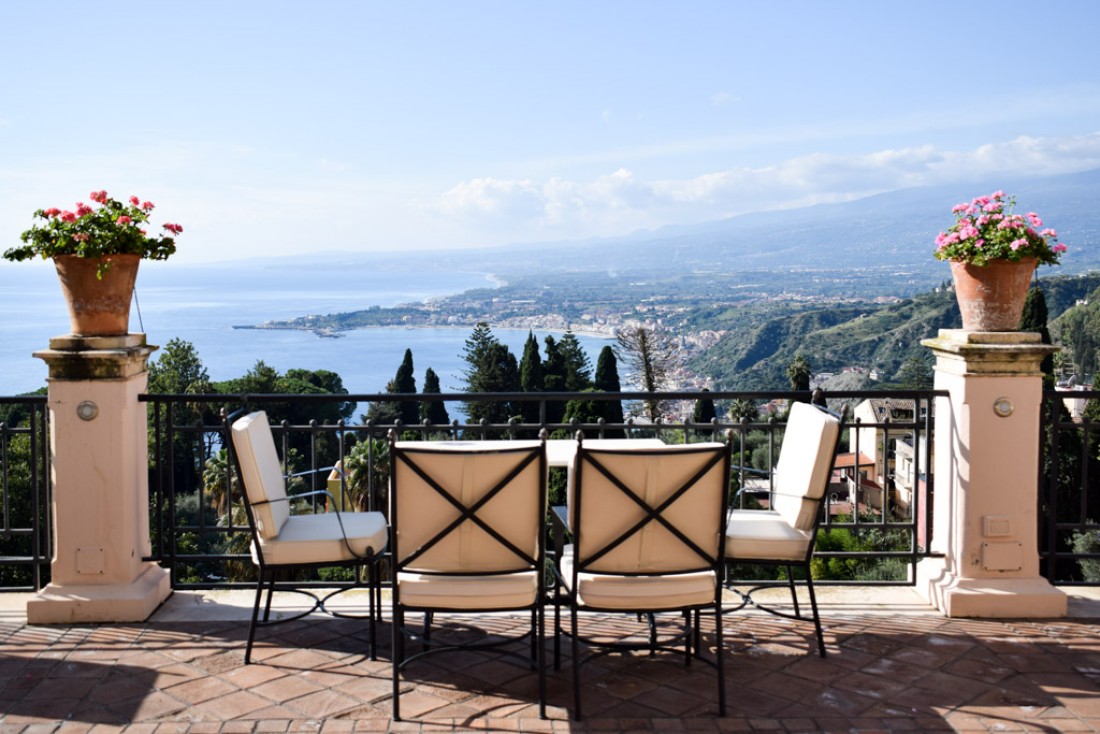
(202, 303)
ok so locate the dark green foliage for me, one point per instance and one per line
(264, 379)
(704, 411)
(576, 369)
(553, 371)
(531, 377)
(434, 411)
(492, 368)
(743, 408)
(754, 355)
(864, 540)
(405, 383)
(607, 380)
(916, 374)
(1034, 319)
(18, 495)
(178, 370)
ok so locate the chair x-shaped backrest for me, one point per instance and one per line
(649, 511)
(474, 511)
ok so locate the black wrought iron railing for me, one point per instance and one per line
(875, 528)
(25, 543)
(1069, 487)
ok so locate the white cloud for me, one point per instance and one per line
(620, 202)
(240, 202)
(722, 99)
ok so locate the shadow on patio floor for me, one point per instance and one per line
(910, 669)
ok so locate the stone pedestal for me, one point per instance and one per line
(100, 474)
(986, 467)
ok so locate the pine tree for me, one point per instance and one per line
(576, 367)
(652, 357)
(476, 354)
(434, 411)
(492, 368)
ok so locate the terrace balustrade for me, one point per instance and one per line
(186, 524)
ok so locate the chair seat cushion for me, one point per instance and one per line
(631, 593)
(484, 593)
(764, 535)
(317, 538)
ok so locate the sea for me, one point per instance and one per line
(202, 303)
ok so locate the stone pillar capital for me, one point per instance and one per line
(96, 357)
(989, 352)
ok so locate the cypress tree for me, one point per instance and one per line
(607, 380)
(1034, 319)
(531, 377)
(405, 382)
(435, 411)
(704, 411)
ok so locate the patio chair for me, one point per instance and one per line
(784, 534)
(646, 526)
(467, 537)
(287, 543)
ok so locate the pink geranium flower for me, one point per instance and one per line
(986, 229)
(109, 227)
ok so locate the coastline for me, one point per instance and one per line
(336, 333)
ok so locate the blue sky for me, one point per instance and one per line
(287, 127)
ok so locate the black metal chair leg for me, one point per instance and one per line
(794, 593)
(255, 619)
(719, 651)
(540, 656)
(398, 653)
(557, 632)
(270, 593)
(688, 633)
(372, 581)
(576, 665)
(817, 617)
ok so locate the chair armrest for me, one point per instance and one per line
(307, 472)
(298, 496)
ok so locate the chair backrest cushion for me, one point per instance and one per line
(805, 460)
(603, 512)
(467, 472)
(261, 472)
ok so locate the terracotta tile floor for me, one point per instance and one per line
(907, 670)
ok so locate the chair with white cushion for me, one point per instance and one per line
(282, 541)
(647, 537)
(784, 534)
(467, 536)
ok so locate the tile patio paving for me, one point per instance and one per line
(891, 667)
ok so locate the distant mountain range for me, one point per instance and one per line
(888, 235)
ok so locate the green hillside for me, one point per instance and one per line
(756, 352)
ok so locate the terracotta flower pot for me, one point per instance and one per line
(98, 307)
(991, 297)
